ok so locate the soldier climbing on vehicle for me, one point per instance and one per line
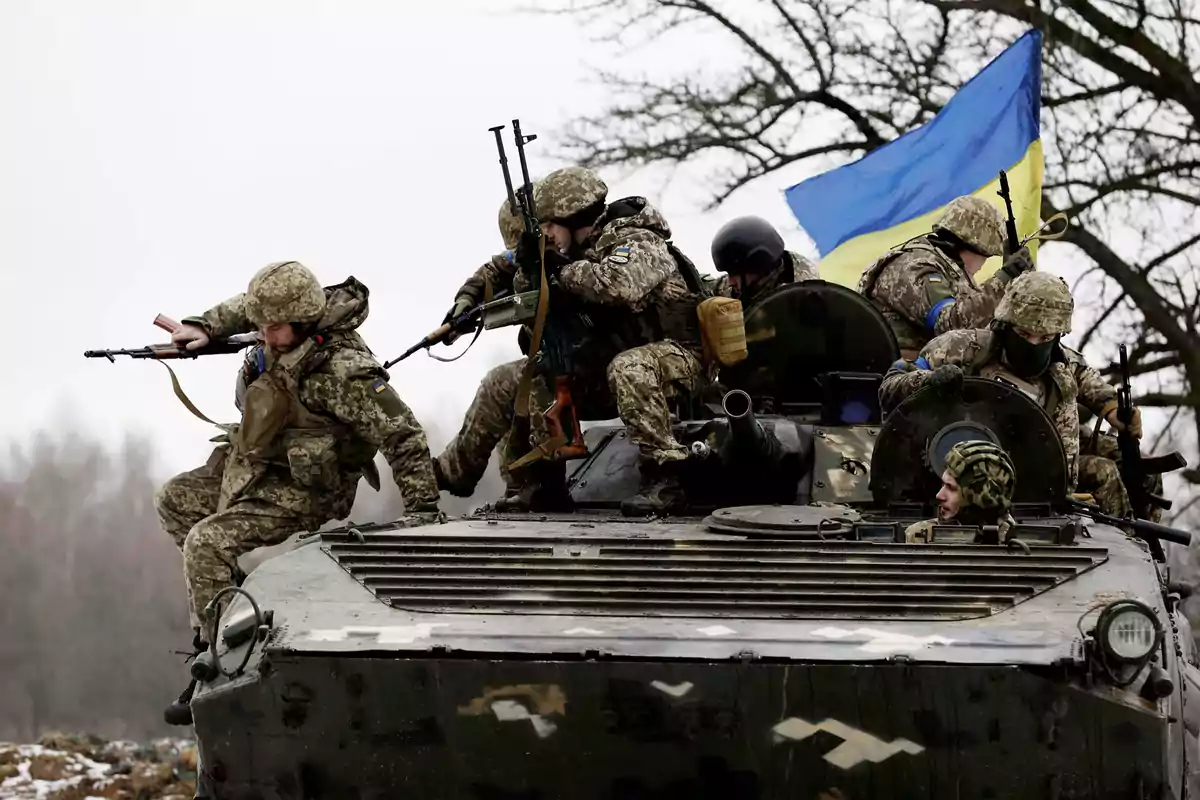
(316, 406)
(1023, 348)
(926, 286)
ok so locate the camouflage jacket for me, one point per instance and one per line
(1071, 382)
(924, 292)
(315, 417)
(498, 272)
(795, 268)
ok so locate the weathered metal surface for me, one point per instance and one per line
(842, 463)
(435, 727)
(739, 578)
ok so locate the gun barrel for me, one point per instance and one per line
(1148, 529)
(748, 440)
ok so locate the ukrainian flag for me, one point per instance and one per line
(857, 212)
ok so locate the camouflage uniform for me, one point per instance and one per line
(1039, 303)
(922, 287)
(489, 421)
(625, 278)
(312, 420)
(985, 477)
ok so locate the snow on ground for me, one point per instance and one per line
(81, 767)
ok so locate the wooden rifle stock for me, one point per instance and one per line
(564, 404)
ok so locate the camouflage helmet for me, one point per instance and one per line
(975, 222)
(512, 224)
(984, 473)
(285, 291)
(565, 192)
(1038, 302)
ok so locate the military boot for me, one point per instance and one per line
(542, 486)
(180, 712)
(661, 491)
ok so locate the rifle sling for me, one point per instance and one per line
(183, 398)
(487, 298)
(535, 343)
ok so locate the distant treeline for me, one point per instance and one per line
(92, 601)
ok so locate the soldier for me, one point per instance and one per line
(926, 286)
(1023, 348)
(490, 421)
(316, 406)
(977, 488)
(752, 255)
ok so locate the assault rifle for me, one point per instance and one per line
(553, 350)
(1010, 224)
(1151, 531)
(473, 319)
(160, 352)
(1133, 466)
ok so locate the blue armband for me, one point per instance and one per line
(932, 317)
(921, 363)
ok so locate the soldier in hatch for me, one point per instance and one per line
(926, 286)
(754, 259)
(316, 406)
(1023, 348)
(610, 267)
(977, 489)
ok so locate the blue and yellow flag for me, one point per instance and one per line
(857, 212)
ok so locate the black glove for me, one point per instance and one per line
(461, 306)
(946, 379)
(1018, 263)
(526, 254)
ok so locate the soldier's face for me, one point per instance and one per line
(949, 499)
(558, 236)
(280, 338)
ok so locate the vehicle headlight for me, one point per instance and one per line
(1128, 631)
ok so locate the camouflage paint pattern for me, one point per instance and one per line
(1071, 380)
(906, 285)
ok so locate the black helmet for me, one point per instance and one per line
(747, 245)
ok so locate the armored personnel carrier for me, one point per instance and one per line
(784, 640)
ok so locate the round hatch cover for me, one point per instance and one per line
(817, 521)
(954, 433)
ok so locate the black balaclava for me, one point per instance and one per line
(1027, 360)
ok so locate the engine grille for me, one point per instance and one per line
(742, 578)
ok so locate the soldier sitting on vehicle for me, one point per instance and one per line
(754, 259)
(926, 286)
(1023, 348)
(977, 489)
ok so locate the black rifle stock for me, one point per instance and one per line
(1133, 467)
(1151, 531)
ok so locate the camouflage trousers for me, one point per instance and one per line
(1100, 478)
(640, 380)
(212, 540)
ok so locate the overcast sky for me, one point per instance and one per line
(154, 155)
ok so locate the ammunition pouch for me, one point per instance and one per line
(312, 458)
(722, 331)
(267, 409)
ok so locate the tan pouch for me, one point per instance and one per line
(312, 458)
(722, 330)
(266, 412)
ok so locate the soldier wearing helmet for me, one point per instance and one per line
(490, 423)
(754, 259)
(613, 270)
(316, 407)
(977, 489)
(927, 286)
(1023, 348)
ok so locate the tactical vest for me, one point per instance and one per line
(278, 430)
(912, 337)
